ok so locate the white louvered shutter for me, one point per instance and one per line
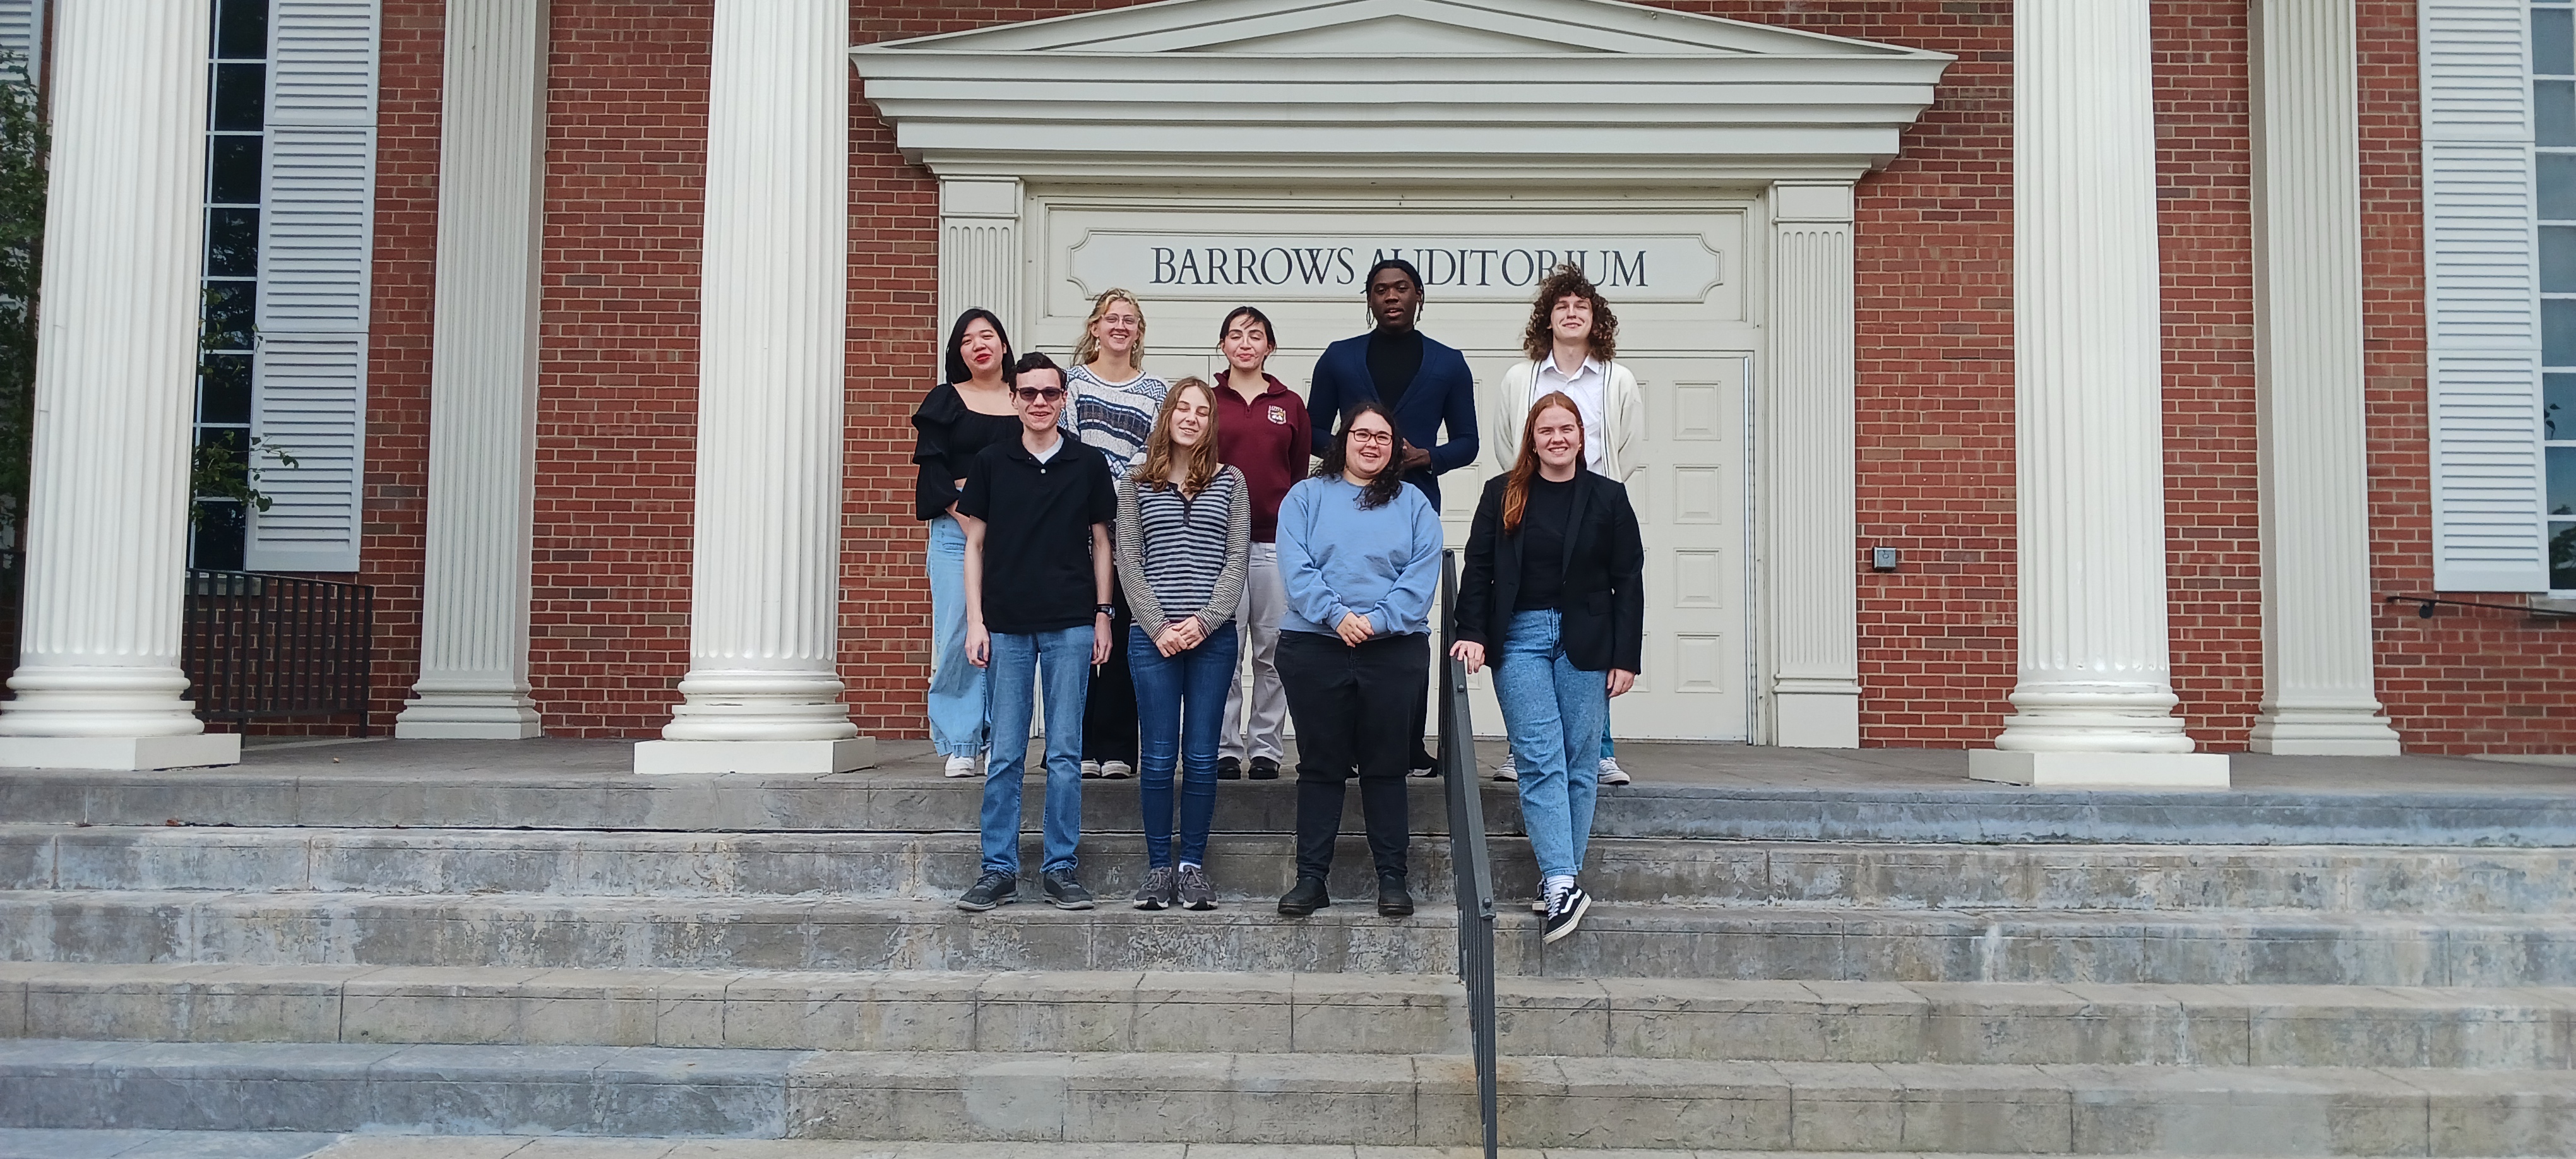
(2482, 297)
(22, 31)
(309, 392)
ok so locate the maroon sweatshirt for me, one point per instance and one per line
(1266, 439)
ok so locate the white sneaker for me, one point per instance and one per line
(959, 766)
(1509, 770)
(1117, 770)
(1090, 768)
(1611, 773)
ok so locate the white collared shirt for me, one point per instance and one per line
(1589, 387)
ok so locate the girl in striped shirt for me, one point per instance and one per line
(1184, 533)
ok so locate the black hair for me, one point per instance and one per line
(1034, 360)
(1252, 312)
(1381, 489)
(1385, 264)
(956, 361)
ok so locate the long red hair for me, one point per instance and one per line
(1525, 468)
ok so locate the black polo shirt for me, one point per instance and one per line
(1037, 533)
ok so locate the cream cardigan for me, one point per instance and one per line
(1623, 411)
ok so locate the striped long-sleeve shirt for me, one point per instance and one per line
(1184, 556)
(1113, 416)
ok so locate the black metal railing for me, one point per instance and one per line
(1467, 858)
(2424, 606)
(256, 646)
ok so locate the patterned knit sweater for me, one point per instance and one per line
(1184, 556)
(1114, 417)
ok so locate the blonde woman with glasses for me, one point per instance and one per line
(1112, 410)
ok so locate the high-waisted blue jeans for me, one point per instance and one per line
(1554, 713)
(1180, 719)
(956, 687)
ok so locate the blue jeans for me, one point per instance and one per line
(956, 687)
(1553, 711)
(1063, 661)
(1180, 718)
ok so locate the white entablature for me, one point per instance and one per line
(1407, 89)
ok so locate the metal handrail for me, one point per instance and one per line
(1467, 857)
(2424, 606)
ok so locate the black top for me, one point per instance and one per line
(1542, 535)
(1037, 533)
(952, 434)
(1602, 562)
(1393, 360)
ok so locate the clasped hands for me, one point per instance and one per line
(1180, 636)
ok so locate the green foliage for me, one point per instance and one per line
(22, 245)
(221, 471)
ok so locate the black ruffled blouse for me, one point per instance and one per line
(952, 434)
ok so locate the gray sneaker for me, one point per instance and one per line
(1158, 890)
(1196, 893)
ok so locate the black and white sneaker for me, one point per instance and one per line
(1062, 891)
(1159, 889)
(995, 888)
(1565, 911)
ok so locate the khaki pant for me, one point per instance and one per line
(1265, 599)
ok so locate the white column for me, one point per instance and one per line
(483, 377)
(979, 248)
(1813, 595)
(2094, 696)
(763, 693)
(98, 680)
(2320, 694)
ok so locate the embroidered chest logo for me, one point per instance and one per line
(1279, 414)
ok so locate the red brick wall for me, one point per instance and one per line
(1935, 379)
(397, 471)
(2466, 680)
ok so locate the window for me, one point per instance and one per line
(236, 139)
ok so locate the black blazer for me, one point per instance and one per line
(1604, 606)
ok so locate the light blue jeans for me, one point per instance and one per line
(1060, 664)
(1554, 713)
(957, 715)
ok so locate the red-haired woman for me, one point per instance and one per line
(1554, 594)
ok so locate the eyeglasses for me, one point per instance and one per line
(1372, 437)
(1050, 394)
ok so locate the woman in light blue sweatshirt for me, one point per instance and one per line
(1359, 554)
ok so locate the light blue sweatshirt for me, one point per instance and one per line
(1336, 559)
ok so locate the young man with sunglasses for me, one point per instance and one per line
(1037, 513)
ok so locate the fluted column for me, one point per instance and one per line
(2094, 696)
(979, 247)
(2320, 695)
(483, 378)
(1813, 591)
(98, 679)
(763, 693)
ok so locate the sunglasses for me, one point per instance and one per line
(1050, 394)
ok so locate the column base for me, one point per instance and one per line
(2324, 734)
(1816, 720)
(450, 709)
(2072, 770)
(780, 757)
(120, 753)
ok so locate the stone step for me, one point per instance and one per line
(1965, 1023)
(1250, 867)
(538, 794)
(39, 1143)
(1618, 940)
(1376, 1099)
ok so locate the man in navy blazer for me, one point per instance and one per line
(1424, 383)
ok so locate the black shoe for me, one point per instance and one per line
(1392, 900)
(1265, 769)
(1565, 911)
(1424, 766)
(1159, 890)
(1062, 891)
(1307, 897)
(995, 888)
(1229, 769)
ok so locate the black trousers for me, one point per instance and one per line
(1358, 713)
(1109, 717)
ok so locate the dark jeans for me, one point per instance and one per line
(1180, 709)
(1109, 717)
(1358, 712)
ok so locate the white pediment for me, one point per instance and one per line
(1444, 88)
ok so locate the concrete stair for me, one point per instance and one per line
(506, 956)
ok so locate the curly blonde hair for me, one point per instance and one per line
(1087, 348)
(1565, 281)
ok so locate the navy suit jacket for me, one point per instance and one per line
(1443, 391)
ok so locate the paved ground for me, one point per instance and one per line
(1728, 765)
(38, 1144)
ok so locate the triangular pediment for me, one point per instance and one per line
(1393, 28)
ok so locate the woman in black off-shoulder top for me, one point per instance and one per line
(961, 416)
